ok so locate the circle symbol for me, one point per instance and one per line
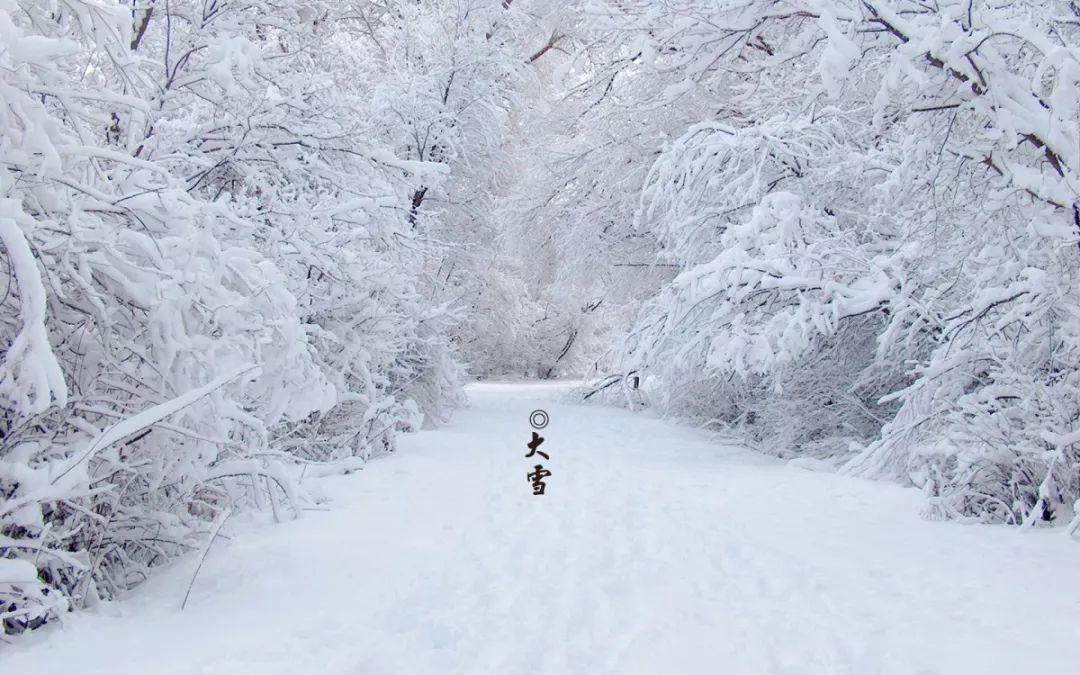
(538, 419)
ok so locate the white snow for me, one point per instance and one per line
(655, 550)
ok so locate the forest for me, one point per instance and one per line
(249, 243)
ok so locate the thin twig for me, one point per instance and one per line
(218, 522)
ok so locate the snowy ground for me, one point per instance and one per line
(654, 551)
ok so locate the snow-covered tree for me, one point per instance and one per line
(449, 97)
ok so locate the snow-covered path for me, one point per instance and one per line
(654, 551)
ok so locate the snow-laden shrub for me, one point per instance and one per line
(273, 126)
(147, 358)
(877, 236)
(993, 412)
(210, 276)
(783, 325)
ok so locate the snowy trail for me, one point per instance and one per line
(654, 551)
